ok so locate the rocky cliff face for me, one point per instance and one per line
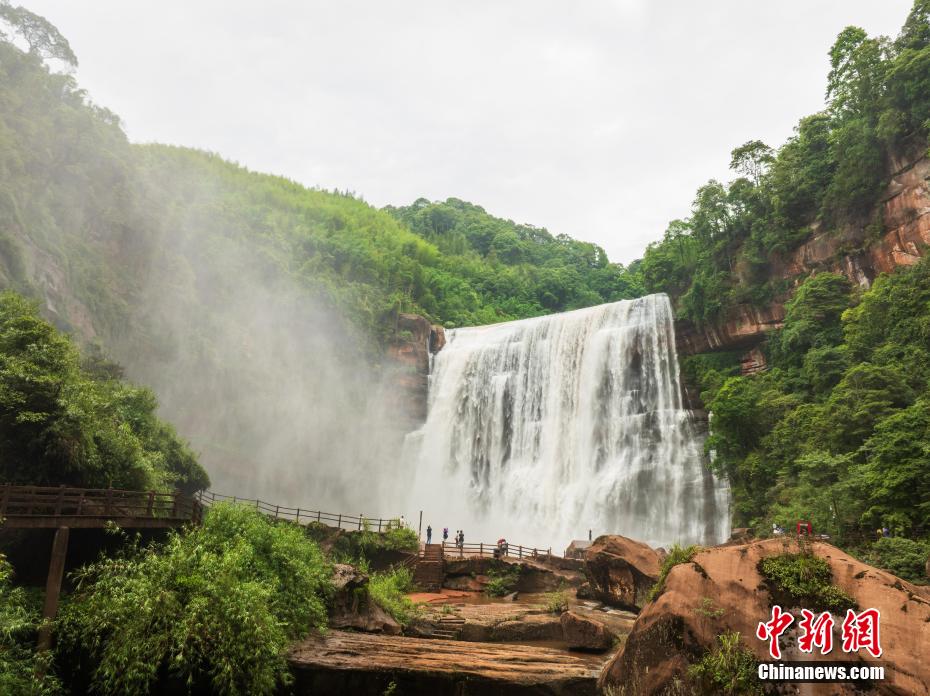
(743, 328)
(408, 353)
(905, 215)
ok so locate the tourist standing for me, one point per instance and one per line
(429, 534)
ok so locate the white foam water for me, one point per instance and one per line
(543, 429)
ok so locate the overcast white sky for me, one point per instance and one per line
(594, 118)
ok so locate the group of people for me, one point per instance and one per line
(459, 537)
(499, 552)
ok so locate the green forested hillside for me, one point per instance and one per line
(233, 294)
(838, 430)
(64, 422)
(828, 176)
(84, 212)
(518, 270)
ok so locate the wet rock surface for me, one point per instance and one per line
(533, 575)
(489, 622)
(366, 664)
(521, 621)
(585, 633)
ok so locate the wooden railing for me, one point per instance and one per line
(43, 506)
(304, 516)
(478, 550)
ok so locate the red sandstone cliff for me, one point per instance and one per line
(905, 212)
(408, 355)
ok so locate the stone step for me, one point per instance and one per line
(447, 635)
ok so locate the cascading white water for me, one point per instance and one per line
(541, 429)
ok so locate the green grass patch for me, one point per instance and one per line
(556, 602)
(676, 556)
(805, 580)
(728, 669)
(389, 591)
(502, 582)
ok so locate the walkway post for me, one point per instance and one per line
(56, 568)
(420, 531)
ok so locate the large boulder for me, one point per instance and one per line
(342, 662)
(466, 583)
(526, 628)
(721, 591)
(621, 571)
(584, 633)
(351, 606)
(495, 622)
(532, 575)
(561, 563)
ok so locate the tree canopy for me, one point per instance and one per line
(827, 178)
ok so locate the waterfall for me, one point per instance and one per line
(542, 429)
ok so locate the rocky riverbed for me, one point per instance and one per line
(604, 634)
(366, 664)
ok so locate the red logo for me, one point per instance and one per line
(771, 630)
(861, 631)
(816, 631)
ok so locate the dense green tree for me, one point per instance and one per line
(828, 178)
(895, 473)
(812, 317)
(906, 558)
(838, 431)
(894, 312)
(40, 35)
(21, 668)
(752, 159)
(214, 609)
(61, 424)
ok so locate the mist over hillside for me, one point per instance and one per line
(257, 309)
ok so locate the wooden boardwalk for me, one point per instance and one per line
(38, 507)
(304, 516)
(63, 508)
